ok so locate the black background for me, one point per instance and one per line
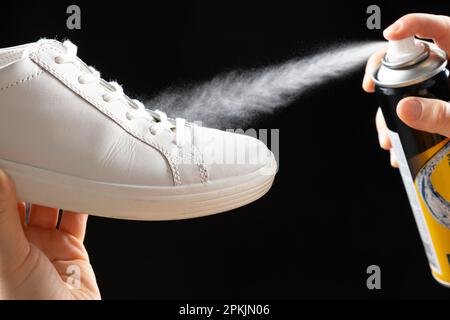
(336, 206)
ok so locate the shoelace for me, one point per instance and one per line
(158, 119)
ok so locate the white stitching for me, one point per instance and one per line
(31, 76)
(199, 161)
(194, 157)
(68, 83)
(10, 55)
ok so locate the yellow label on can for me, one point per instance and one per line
(432, 184)
(426, 177)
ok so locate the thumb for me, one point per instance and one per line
(14, 246)
(423, 114)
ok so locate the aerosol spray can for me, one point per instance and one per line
(412, 67)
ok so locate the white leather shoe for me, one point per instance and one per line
(74, 141)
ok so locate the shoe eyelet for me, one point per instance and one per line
(105, 98)
(57, 60)
(129, 116)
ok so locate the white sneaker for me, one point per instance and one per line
(74, 141)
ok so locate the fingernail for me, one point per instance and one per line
(414, 109)
(366, 80)
(3, 180)
(392, 28)
(367, 83)
(5, 185)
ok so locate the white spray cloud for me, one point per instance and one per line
(242, 95)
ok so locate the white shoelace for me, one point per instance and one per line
(158, 119)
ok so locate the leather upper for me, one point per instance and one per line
(48, 119)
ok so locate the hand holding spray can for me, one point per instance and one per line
(417, 68)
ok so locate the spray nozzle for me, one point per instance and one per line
(405, 52)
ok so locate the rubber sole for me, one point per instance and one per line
(130, 202)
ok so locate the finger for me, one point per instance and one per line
(372, 64)
(43, 217)
(383, 136)
(13, 244)
(383, 139)
(74, 223)
(22, 208)
(423, 25)
(394, 162)
(423, 114)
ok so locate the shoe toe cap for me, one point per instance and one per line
(230, 154)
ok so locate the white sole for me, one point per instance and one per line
(131, 202)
